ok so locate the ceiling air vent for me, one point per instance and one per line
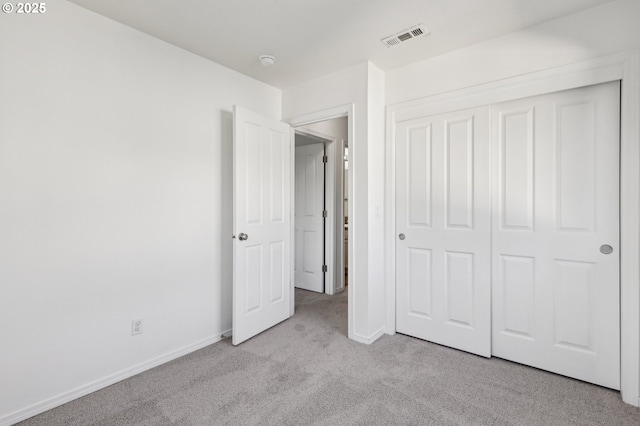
(408, 34)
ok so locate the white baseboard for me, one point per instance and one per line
(63, 398)
(368, 340)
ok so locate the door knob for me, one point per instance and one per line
(606, 249)
(401, 236)
(242, 236)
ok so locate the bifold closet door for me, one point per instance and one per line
(443, 229)
(555, 233)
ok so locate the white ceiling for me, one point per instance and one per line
(311, 38)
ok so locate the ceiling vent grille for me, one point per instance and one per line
(408, 34)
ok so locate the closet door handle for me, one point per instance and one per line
(401, 236)
(606, 249)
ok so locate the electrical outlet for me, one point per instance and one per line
(136, 326)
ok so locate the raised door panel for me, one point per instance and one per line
(573, 300)
(277, 173)
(516, 169)
(459, 164)
(418, 159)
(253, 267)
(459, 273)
(252, 185)
(515, 285)
(277, 282)
(576, 166)
(419, 283)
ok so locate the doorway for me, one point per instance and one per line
(313, 122)
(310, 214)
(321, 218)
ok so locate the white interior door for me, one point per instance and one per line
(262, 223)
(443, 224)
(309, 220)
(556, 202)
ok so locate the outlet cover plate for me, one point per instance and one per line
(136, 326)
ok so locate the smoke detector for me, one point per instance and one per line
(416, 31)
(267, 60)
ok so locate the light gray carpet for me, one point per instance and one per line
(306, 371)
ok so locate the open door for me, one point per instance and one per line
(309, 218)
(261, 223)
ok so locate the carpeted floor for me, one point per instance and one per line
(306, 371)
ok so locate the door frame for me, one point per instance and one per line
(623, 66)
(316, 117)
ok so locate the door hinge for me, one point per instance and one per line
(325, 159)
(324, 268)
(325, 213)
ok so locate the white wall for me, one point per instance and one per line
(114, 202)
(354, 85)
(376, 182)
(610, 28)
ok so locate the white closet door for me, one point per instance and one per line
(443, 226)
(309, 222)
(555, 203)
